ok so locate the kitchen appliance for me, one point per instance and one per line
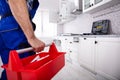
(99, 28)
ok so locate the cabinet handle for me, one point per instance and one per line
(65, 39)
(70, 51)
(70, 42)
(91, 4)
(60, 15)
(85, 38)
(96, 42)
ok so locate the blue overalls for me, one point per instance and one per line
(11, 35)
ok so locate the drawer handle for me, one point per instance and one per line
(85, 38)
(96, 42)
(92, 4)
(70, 42)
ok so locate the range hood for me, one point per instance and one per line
(78, 7)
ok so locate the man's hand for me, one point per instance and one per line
(36, 44)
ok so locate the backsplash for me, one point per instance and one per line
(83, 23)
(113, 14)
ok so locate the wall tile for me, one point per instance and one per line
(113, 14)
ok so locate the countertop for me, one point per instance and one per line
(93, 36)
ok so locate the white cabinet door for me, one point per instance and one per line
(74, 52)
(97, 1)
(66, 45)
(87, 53)
(71, 49)
(64, 9)
(92, 6)
(87, 4)
(108, 58)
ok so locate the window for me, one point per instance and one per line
(43, 26)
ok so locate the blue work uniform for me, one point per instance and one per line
(11, 35)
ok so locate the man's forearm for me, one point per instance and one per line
(20, 12)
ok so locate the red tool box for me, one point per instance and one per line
(43, 69)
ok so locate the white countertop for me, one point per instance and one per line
(107, 36)
(94, 36)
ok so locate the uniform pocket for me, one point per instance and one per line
(12, 38)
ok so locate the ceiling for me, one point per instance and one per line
(49, 4)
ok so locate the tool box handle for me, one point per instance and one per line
(20, 51)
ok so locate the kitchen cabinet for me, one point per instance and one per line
(87, 53)
(101, 56)
(108, 57)
(71, 48)
(92, 6)
(97, 1)
(65, 9)
(65, 44)
(73, 51)
(97, 54)
(88, 3)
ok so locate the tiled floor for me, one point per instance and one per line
(70, 72)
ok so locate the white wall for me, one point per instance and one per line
(82, 24)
